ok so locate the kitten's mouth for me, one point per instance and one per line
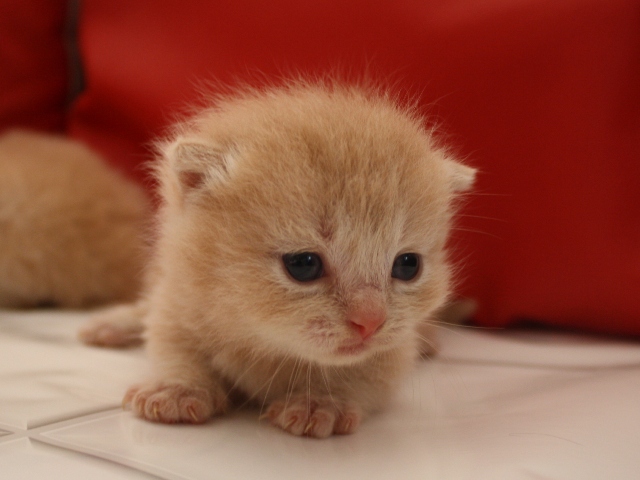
(352, 348)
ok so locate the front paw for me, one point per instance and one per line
(317, 417)
(167, 402)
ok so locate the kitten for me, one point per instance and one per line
(70, 227)
(301, 248)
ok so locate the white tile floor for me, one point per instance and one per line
(493, 406)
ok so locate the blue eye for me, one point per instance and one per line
(304, 267)
(406, 266)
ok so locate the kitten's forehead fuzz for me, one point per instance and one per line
(353, 166)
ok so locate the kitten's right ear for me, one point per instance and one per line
(196, 163)
(461, 176)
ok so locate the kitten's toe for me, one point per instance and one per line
(316, 417)
(175, 403)
(348, 421)
(300, 417)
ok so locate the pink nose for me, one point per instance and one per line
(366, 323)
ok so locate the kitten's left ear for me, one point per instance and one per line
(195, 162)
(461, 176)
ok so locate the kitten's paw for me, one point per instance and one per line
(119, 326)
(317, 417)
(175, 403)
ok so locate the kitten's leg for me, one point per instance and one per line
(185, 389)
(118, 326)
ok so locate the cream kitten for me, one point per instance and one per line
(70, 227)
(301, 248)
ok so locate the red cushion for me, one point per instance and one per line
(33, 64)
(542, 96)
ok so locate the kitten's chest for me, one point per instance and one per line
(262, 379)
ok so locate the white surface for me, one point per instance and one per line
(493, 406)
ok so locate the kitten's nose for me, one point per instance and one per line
(366, 323)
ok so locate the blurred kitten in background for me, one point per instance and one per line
(71, 228)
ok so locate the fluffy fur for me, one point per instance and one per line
(70, 228)
(344, 172)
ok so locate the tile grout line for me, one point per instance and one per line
(19, 432)
(123, 463)
(38, 435)
(114, 459)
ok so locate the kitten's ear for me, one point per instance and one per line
(196, 163)
(461, 176)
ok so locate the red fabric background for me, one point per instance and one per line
(33, 66)
(543, 96)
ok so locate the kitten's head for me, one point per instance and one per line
(311, 220)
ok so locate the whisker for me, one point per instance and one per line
(326, 383)
(239, 379)
(480, 217)
(270, 382)
(308, 389)
(427, 341)
(345, 382)
(486, 194)
(473, 230)
(437, 323)
(293, 379)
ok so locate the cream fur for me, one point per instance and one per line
(342, 171)
(70, 227)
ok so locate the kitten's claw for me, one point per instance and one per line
(192, 414)
(291, 424)
(175, 403)
(310, 427)
(316, 417)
